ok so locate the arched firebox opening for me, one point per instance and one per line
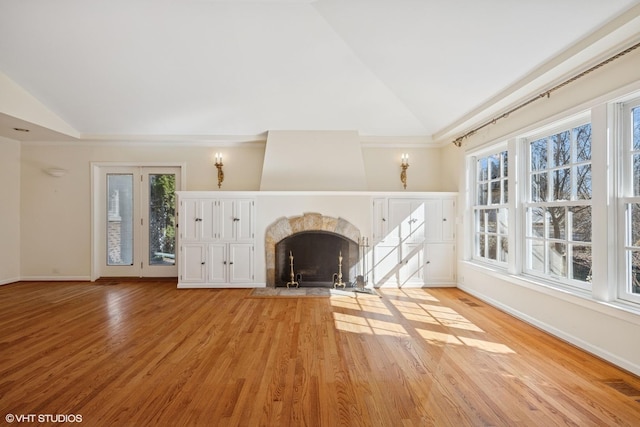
(310, 222)
(316, 259)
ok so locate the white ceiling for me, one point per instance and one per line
(417, 69)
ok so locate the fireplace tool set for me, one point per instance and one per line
(362, 279)
(360, 282)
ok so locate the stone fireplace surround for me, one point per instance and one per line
(285, 227)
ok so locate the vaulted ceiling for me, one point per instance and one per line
(421, 69)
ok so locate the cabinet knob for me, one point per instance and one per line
(230, 262)
(236, 219)
(224, 262)
(428, 262)
(444, 219)
(202, 263)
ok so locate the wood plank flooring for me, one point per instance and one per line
(131, 353)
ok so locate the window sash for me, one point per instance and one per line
(558, 186)
(490, 209)
(629, 204)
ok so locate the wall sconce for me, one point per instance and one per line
(56, 172)
(404, 166)
(219, 165)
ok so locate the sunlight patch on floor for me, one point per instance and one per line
(416, 306)
(350, 323)
(492, 347)
(363, 305)
(421, 317)
(438, 338)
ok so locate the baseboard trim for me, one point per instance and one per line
(55, 279)
(584, 345)
(9, 281)
(219, 285)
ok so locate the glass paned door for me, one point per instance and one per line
(119, 219)
(159, 220)
(139, 221)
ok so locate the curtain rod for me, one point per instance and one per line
(458, 141)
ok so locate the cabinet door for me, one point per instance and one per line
(386, 263)
(237, 220)
(190, 219)
(417, 221)
(448, 219)
(412, 270)
(399, 219)
(200, 220)
(440, 263)
(228, 219)
(240, 263)
(244, 213)
(379, 220)
(433, 231)
(407, 220)
(192, 264)
(210, 220)
(217, 263)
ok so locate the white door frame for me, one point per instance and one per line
(96, 223)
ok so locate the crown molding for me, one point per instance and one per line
(418, 141)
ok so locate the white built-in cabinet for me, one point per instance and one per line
(413, 241)
(216, 241)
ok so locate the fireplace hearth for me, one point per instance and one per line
(315, 258)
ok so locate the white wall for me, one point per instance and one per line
(594, 326)
(9, 211)
(382, 166)
(56, 212)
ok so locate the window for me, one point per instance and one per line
(558, 206)
(630, 201)
(490, 208)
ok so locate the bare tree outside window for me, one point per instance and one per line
(632, 227)
(559, 208)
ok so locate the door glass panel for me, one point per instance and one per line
(162, 231)
(119, 219)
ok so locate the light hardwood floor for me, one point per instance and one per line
(131, 353)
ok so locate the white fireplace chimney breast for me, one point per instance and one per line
(313, 161)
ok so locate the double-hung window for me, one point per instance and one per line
(490, 209)
(630, 202)
(557, 207)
